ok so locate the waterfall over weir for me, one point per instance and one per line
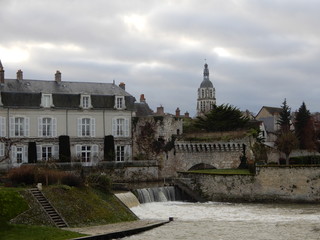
(158, 194)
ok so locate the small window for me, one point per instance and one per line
(46, 100)
(122, 153)
(120, 103)
(85, 101)
(46, 152)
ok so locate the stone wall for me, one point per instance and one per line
(288, 184)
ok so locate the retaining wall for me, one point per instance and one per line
(288, 184)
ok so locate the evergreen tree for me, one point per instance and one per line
(304, 128)
(284, 118)
(222, 118)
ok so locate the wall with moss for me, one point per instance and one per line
(287, 184)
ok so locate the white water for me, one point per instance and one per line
(225, 221)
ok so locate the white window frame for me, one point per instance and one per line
(19, 127)
(122, 153)
(85, 101)
(46, 100)
(52, 127)
(2, 127)
(23, 150)
(82, 127)
(120, 102)
(54, 151)
(87, 154)
(120, 127)
(2, 149)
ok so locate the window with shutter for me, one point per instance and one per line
(39, 152)
(2, 127)
(19, 126)
(55, 153)
(54, 127)
(93, 127)
(2, 149)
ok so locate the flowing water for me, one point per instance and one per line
(230, 221)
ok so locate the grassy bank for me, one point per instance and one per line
(13, 204)
(79, 207)
(87, 206)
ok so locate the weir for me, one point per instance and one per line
(153, 194)
(161, 194)
(128, 199)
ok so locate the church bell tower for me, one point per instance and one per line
(206, 94)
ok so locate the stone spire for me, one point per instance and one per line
(206, 71)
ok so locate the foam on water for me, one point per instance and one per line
(225, 211)
(223, 221)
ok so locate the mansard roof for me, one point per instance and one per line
(27, 93)
(50, 87)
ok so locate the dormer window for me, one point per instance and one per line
(46, 100)
(120, 103)
(85, 101)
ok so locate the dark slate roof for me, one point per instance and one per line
(15, 99)
(27, 93)
(42, 86)
(142, 109)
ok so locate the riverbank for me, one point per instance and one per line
(117, 230)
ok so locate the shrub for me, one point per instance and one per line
(23, 175)
(100, 181)
(312, 159)
(30, 175)
(71, 180)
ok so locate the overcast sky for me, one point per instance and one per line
(258, 52)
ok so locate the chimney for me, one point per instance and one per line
(19, 75)
(186, 114)
(1, 74)
(177, 112)
(122, 85)
(160, 111)
(142, 98)
(57, 76)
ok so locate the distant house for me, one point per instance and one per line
(35, 114)
(162, 126)
(270, 117)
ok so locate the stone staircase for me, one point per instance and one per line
(48, 208)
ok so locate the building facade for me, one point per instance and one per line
(35, 114)
(206, 94)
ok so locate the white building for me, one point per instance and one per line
(206, 94)
(34, 114)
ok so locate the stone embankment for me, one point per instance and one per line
(270, 184)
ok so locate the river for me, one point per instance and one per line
(231, 221)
